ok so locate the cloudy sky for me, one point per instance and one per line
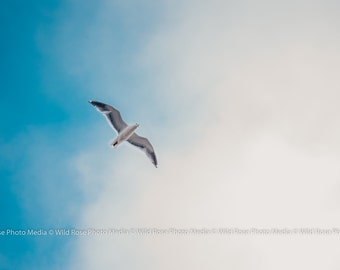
(240, 100)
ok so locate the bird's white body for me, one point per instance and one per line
(125, 132)
(124, 135)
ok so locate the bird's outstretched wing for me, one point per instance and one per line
(144, 145)
(112, 115)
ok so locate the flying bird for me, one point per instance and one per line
(124, 132)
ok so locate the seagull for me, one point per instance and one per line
(124, 132)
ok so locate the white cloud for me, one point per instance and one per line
(250, 139)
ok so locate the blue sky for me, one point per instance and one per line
(33, 123)
(47, 81)
(240, 101)
(42, 106)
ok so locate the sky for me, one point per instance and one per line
(240, 100)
